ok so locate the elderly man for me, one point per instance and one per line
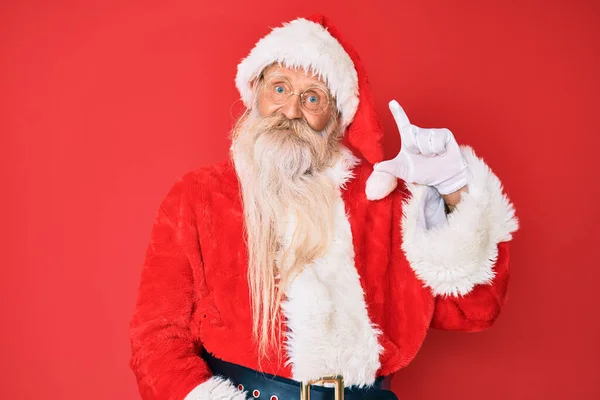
(303, 262)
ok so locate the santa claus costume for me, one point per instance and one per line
(361, 310)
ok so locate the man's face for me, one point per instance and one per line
(280, 91)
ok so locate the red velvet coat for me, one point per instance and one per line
(194, 292)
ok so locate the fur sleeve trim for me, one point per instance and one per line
(461, 253)
(216, 388)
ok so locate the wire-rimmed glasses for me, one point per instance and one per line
(315, 99)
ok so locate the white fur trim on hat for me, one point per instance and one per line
(307, 45)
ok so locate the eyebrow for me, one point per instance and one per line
(276, 75)
(282, 76)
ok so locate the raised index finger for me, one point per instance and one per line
(399, 114)
(407, 137)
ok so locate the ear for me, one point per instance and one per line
(253, 85)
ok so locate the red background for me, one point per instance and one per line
(105, 104)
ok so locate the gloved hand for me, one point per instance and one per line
(427, 156)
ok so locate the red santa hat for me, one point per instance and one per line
(315, 44)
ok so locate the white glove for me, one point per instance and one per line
(427, 156)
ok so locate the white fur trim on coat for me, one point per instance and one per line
(329, 330)
(457, 255)
(307, 45)
(216, 388)
(342, 171)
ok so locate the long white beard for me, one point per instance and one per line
(281, 167)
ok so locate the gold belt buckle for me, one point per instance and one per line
(338, 381)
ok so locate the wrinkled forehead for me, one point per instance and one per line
(299, 77)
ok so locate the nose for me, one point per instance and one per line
(292, 108)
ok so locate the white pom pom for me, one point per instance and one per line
(380, 184)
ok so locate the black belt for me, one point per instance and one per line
(267, 386)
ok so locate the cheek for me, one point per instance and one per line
(318, 122)
(265, 108)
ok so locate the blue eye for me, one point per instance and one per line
(313, 99)
(279, 89)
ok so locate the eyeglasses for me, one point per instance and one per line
(314, 99)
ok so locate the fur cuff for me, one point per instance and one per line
(454, 257)
(216, 388)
